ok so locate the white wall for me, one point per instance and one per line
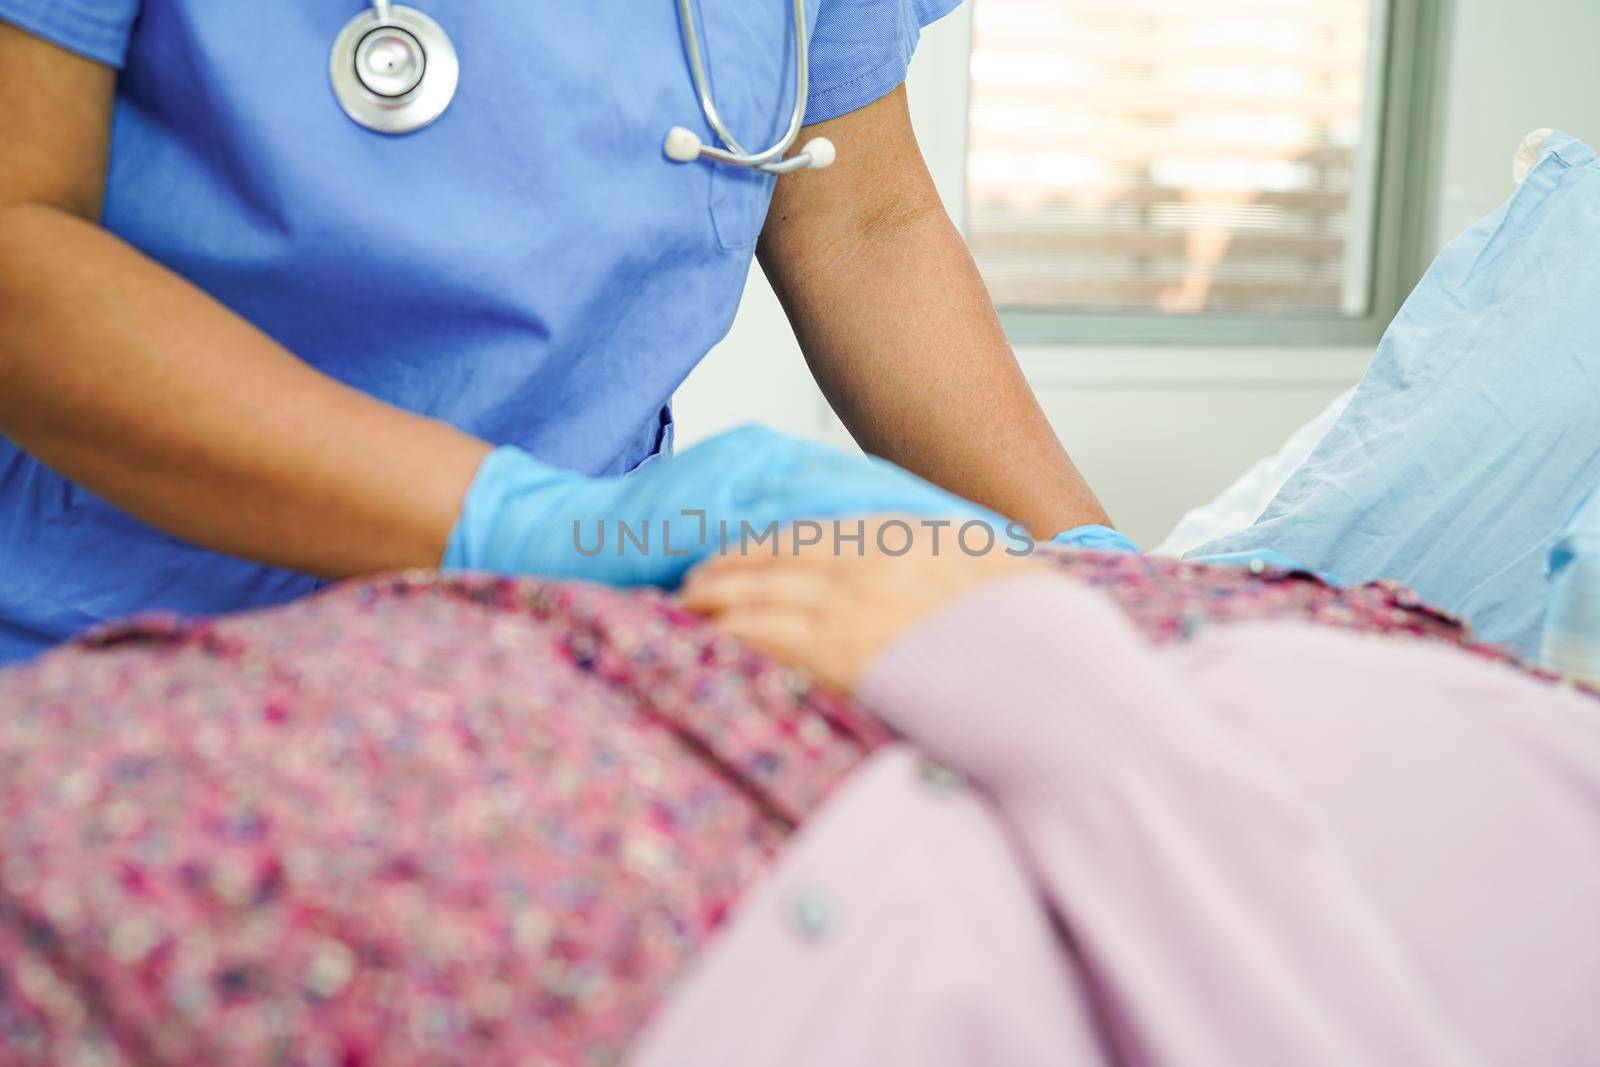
(1159, 430)
(1513, 66)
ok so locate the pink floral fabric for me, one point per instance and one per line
(414, 821)
(1171, 600)
(430, 820)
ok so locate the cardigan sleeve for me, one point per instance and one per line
(1212, 911)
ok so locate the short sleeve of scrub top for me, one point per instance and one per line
(861, 49)
(97, 29)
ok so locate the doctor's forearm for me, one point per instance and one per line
(899, 329)
(129, 381)
(903, 339)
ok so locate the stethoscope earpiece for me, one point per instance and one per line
(817, 154)
(683, 145)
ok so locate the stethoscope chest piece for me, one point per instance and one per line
(394, 69)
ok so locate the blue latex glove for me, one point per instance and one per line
(522, 516)
(1096, 539)
(1572, 623)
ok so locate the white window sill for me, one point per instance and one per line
(1155, 367)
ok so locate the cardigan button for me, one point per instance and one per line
(938, 777)
(811, 915)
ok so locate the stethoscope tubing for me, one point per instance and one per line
(365, 95)
(734, 154)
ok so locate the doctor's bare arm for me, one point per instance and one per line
(900, 332)
(131, 382)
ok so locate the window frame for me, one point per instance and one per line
(1399, 234)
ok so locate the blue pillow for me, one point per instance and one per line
(1476, 430)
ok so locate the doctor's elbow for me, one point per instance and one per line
(29, 232)
(19, 240)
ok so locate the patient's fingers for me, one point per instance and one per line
(832, 609)
(818, 544)
(768, 556)
(785, 634)
(712, 590)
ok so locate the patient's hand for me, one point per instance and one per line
(832, 613)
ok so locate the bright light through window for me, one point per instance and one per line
(1174, 156)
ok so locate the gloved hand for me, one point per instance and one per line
(522, 516)
(1095, 538)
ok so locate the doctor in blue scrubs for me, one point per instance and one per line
(249, 343)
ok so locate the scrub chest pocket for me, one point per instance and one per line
(750, 65)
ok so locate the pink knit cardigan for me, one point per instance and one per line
(1273, 845)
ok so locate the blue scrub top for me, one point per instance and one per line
(530, 268)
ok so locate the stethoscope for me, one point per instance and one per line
(395, 70)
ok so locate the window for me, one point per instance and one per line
(1167, 169)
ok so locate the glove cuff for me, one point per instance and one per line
(506, 475)
(1095, 538)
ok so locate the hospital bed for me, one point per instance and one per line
(1243, 501)
(1466, 458)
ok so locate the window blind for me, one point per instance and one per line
(1172, 157)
